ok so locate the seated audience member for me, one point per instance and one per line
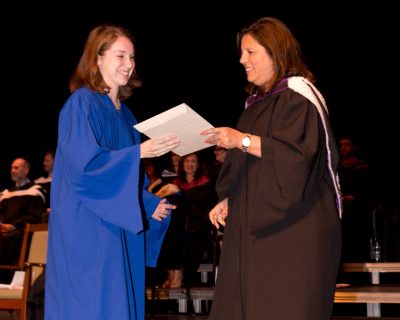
(214, 168)
(45, 181)
(150, 167)
(173, 167)
(171, 255)
(355, 182)
(22, 203)
(198, 197)
(194, 196)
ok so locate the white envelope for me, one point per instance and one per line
(182, 121)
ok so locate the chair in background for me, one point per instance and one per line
(32, 260)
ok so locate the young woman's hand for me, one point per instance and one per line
(158, 146)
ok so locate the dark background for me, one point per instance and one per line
(188, 54)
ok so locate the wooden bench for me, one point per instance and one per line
(197, 294)
(182, 295)
(368, 294)
(205, 269)
(375, 268)
(372, 295)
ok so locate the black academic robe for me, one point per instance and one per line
(281, 246)
(18, 206)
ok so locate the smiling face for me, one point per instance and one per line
(117, 63)
(257, 62)
(190, 164)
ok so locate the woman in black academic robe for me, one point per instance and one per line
(279, 193)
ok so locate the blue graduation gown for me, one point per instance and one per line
(101, 234)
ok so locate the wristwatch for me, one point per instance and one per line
(246, 142)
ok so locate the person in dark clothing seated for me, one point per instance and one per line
(197, 197)
(358, 202)
(20, 204)
(45, 181)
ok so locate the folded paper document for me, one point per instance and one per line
(182, 121)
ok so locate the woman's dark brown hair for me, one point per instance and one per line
(87, 72)
(282, 47)
(201, 170)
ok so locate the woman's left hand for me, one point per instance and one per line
(219, 213)
(163, 210)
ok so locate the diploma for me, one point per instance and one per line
(182, 121)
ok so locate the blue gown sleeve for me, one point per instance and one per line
(156, 231)
(106, 180)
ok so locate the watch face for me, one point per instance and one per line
(246, 142)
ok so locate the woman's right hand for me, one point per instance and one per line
(224, 137)
(156, 147)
